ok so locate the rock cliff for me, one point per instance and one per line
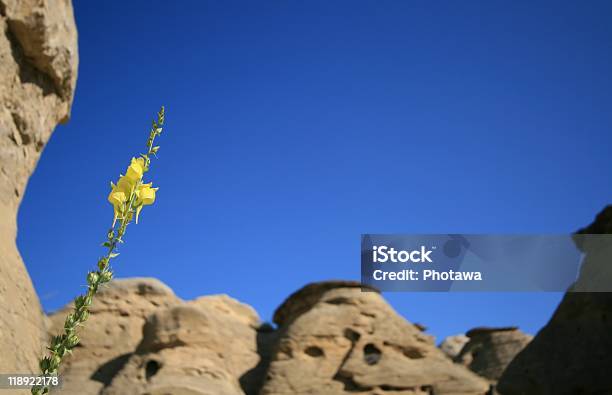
(572, 354)
(38, 71)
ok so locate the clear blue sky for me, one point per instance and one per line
(293, 127)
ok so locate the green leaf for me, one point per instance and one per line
(79, 301)
(44, 364)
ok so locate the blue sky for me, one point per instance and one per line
(293, 127)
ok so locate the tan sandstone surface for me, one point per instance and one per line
(335, 339)
(38, 71)
(332, 338)
(489, 350)
(452, 345)
(113, 331)
(199, 347)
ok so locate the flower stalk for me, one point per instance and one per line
(128, 197)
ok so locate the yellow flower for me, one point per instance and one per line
(121, 194)
(145, 196)
(126, 185)
(117, 198)
(135, 170)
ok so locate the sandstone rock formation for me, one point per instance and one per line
(452, 345)
(490, 350)
(201, 347)
(112, 333)
(332, 339)
(335, 339)
(38, 70)
(142, 339)
(572, 353)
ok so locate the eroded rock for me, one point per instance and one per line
(452, 345)
(336, 339)
(38, 71)
(490, 350)
(201, 347)
(112, 333)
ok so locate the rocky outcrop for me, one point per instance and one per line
(452, 345)
(38, 70)
(142, 339)
(201, 347)
(490, 350)
(572, 353)
(335, 339)
(112, 333)
(332, 339)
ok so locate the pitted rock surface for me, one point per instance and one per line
(336, 339)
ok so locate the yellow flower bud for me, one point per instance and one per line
(135, 170)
